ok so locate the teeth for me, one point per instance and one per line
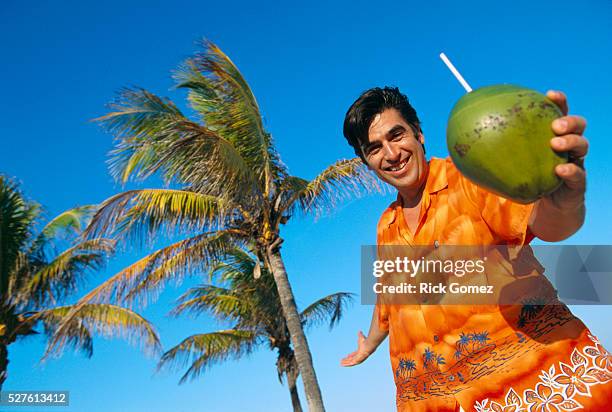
(399, 166)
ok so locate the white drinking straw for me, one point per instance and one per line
(457, 75)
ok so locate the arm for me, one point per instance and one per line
(559, 215)
(366, 346)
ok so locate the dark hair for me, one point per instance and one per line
(367, 106)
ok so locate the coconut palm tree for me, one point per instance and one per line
(410, 366)
(428, 358)
(464, 340)
(229, 188)
(481, 338)
(40, 269)
(254, 309)
(406, 367)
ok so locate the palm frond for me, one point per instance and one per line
(328, 309)
(71, 221)
(236, 263)
(133, 212)
(287, 202)
(252, 303)
(59, 278)
(183, 258)
(203, 350)
(73, 326)
(237, 270)
(258, 305)
(154, 136)
(221, 95)
(76, 336)
(145, 278)
(64, 227)
(210, 164)
(143, 125)
(340, 181)
(18, 218)
(224, 303)
(202, 94)
(138, 275)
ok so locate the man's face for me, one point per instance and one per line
(395, 154)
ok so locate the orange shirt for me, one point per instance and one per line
(487, 357)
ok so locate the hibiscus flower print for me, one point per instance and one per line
(575, 380)
(601, 357)
(543, 399)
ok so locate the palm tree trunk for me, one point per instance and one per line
(3, 363)
(298, 339)
(295, 397)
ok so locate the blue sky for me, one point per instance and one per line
(63, 61)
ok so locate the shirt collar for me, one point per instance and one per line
(436, 178)
(436, 181)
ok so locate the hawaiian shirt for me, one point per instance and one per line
(521, 357)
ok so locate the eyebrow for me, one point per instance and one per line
(395, 129)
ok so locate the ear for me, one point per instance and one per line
(421, 138)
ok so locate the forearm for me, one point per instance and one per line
(375, 335)
(552, 224)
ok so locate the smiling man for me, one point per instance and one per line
(490, 357)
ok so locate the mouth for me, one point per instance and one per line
(399, 168)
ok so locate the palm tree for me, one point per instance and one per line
(410, 366)
(40, 269)
(481, 338)
(253, 307)
(406, 366)
(478, 339)
(428, 358)
(230, 188)
(531, 308)
(464, 340)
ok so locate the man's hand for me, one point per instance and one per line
(361, 354)
(560, 214)
(569, 130)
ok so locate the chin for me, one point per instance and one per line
(405, 182)
(405, 185)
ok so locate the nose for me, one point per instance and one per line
(391, 152)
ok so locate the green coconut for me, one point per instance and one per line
(499, 138)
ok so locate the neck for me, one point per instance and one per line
(412, 197)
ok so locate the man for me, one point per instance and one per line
(484, 358)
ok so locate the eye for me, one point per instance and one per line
(372, 150)
(397, 136)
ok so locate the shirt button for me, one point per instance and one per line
(436, 244)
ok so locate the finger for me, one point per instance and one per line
(559, 99)
(574, 144)
(573, 176)
(355, 360)
(568, 125)
(361, 336)
(346, 360)
(350, 360)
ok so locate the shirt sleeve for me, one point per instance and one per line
(508, 219)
